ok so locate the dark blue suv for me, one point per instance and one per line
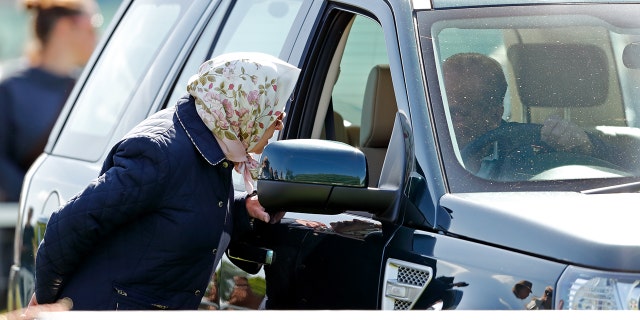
(443, 154)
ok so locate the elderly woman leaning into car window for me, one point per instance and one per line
(148, 232)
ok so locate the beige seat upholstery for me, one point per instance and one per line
(584, 89)
(342, 133)
(348, 135)
(378, 113)
(353, 135)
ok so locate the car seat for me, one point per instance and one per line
(378, 113)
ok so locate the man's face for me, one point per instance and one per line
(474, 86)
(472, 114)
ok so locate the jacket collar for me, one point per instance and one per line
(200, 136)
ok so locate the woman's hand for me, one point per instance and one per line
(257, 211)
(33, 310)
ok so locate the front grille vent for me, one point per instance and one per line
(413, 276)
(401, 305)
(404, 282)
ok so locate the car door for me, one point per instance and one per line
(351, 73)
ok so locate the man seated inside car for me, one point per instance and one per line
(475, 88)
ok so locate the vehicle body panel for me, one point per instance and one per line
(550, 224)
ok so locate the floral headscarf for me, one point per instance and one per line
(238, 96)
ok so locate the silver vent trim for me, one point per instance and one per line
(404, 282)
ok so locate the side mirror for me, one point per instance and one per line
(631, 55)
(317, 176)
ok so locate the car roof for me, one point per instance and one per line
(438, 4)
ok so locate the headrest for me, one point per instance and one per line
(560, 75)
(378, 110)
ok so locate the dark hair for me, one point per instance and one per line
(47, 13)
(474, 77)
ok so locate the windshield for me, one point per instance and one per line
(535, 94)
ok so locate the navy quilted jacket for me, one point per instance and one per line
(147, 233)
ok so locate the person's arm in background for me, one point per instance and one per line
(11, 175)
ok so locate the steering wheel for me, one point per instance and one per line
(518, 143)
(522, 155)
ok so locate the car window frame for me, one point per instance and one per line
(146, 93)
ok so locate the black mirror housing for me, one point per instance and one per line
(317, 176)
(314, 161)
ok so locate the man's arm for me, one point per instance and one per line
(566, 136)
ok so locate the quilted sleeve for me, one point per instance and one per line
(130, 185)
